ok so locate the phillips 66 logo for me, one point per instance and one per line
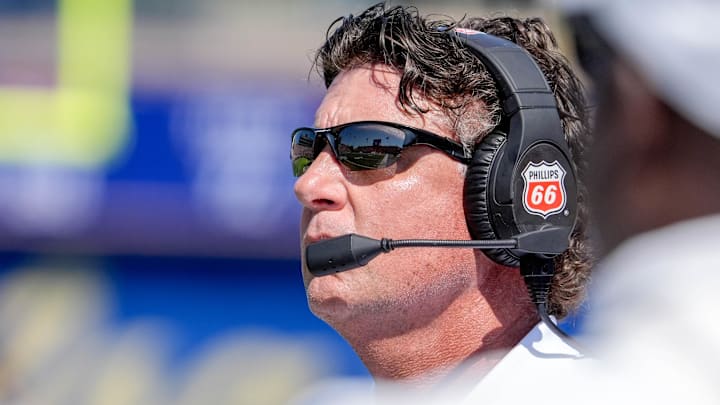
(544, 191)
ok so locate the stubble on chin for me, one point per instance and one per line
(331, 298)
(347, 301)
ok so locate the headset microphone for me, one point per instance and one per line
(351, 251)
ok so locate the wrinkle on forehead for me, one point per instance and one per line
(388, 78)
(370, 93)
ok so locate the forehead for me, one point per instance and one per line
(364, 93)
(370, 93)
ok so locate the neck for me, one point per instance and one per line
(475, 331)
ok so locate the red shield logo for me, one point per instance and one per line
(544, 191)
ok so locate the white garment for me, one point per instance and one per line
(539, 353)
(652, 326)
(654, 318)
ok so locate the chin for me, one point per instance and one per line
(337, 298)
(332, 309)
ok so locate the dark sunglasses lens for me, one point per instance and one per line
(369, 146)
(302, 150)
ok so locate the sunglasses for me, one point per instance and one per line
(366, 145)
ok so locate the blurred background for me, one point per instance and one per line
(148, 229)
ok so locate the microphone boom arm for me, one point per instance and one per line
(351, 251)
(472, 244)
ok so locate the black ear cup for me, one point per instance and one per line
(477, 184)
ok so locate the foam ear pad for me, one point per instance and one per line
(477, 184)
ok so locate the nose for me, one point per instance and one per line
(321, 187)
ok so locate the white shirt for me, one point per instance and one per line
(538, 354)
(655, 319)
(653, 325)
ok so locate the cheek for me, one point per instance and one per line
(419, 205)
(406, 185)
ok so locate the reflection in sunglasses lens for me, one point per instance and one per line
(370, 146)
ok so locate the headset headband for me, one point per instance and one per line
(535, 143)
(527, 102)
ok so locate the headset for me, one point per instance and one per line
(521, 178)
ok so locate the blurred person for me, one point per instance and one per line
(427, 318)
(655, 194)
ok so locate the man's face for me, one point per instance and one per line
(418, 197)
